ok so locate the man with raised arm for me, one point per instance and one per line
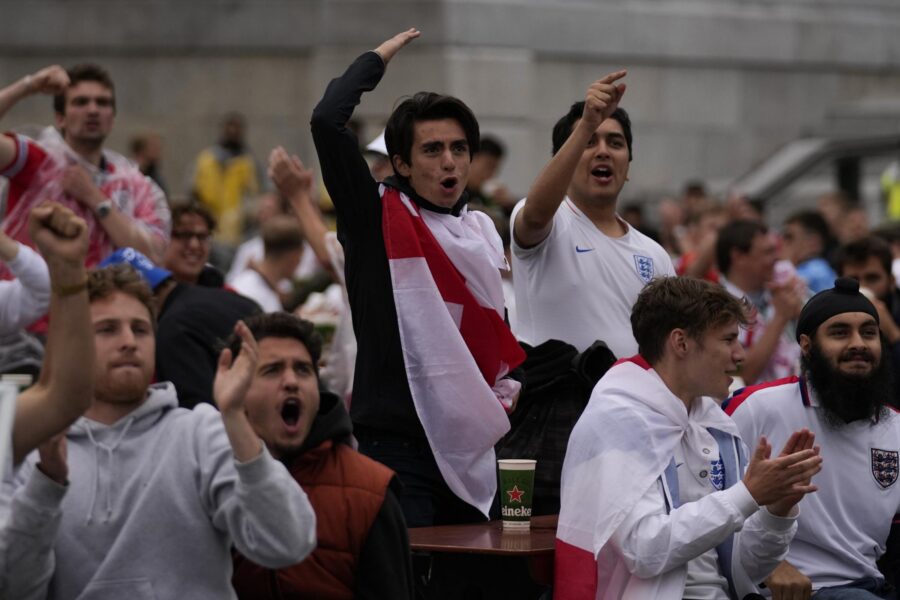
(579, 266)
(658, 500)
(69, 165)
(153, 496)
(434, 353)
(64, 388)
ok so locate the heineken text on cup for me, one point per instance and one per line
(516, 487)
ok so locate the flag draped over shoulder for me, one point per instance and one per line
(621, 444)
(456, 345)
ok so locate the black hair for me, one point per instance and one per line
(427, 106)
(281, 325)
(563, 128)
(737, 235)
(84, 72)
(812, 222)
(491, 146)
(860, 250)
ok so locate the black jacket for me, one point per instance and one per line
(194, 321)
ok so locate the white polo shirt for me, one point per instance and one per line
(843, 527)
(579, 284)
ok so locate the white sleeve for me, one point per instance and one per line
(265, 512)
(27, 298)
(764, 542)
(652, 542)
(518, 250)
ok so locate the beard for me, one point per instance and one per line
(849, 397)
(122, 390)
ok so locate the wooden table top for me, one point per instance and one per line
(487, 538)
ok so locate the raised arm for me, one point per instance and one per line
(266, 512)
(49, 80)
(533, 221)
(344, 170)
(787, 302)
(389, 48)
(65, 388)
(123, 230)
(294, 183)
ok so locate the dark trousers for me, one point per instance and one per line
(425, 498)
(867, 588)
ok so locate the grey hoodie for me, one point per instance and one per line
(155, 502)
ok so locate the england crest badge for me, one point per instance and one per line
(885, 466)
(644, 266)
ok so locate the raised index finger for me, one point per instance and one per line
(614, 76)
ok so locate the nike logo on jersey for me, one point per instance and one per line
(579, 249)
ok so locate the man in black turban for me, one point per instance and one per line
(841, 397)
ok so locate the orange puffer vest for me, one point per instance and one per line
(346, 490)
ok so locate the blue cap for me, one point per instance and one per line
(152, 274)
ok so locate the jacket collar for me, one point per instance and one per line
(403, 185)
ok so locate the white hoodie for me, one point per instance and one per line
(154, 503)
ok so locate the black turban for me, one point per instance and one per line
(845, 297)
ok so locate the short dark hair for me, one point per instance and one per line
(737, 235)
(811, 222)
(491, 146)
(281, 234)
(563, 128)
(281, 325)
(84, 72)
(860, 250)
(694, 187)
(694, 305)
(192, 208)
(104, 282)
(427, 106)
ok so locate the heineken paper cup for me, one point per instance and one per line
(516, 487)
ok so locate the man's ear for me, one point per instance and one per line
(401, 167)
(805, 343)
(678, 342)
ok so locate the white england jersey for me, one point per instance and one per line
(843, 527)
(579, 284)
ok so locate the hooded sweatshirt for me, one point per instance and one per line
(155, 502)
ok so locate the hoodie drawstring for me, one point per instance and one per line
(109, 449)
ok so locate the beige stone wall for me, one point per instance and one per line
(714, 85)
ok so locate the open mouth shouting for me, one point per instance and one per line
(448, 184)
(290, 414)
(602, 174)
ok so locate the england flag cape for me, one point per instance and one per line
(456, 345)
(623, 442)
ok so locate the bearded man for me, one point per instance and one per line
(842, 396)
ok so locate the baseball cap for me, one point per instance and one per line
(152, 274)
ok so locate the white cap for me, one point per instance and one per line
(378, 144)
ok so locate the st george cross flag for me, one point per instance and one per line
(620, 446)
(456, 345)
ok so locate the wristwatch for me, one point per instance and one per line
(103, 208)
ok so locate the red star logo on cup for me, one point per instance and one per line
(515, 494)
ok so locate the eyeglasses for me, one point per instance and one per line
(185, 236)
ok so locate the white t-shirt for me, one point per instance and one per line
(843, 527)
(253, 250)
(251, 284)
(579, 284)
